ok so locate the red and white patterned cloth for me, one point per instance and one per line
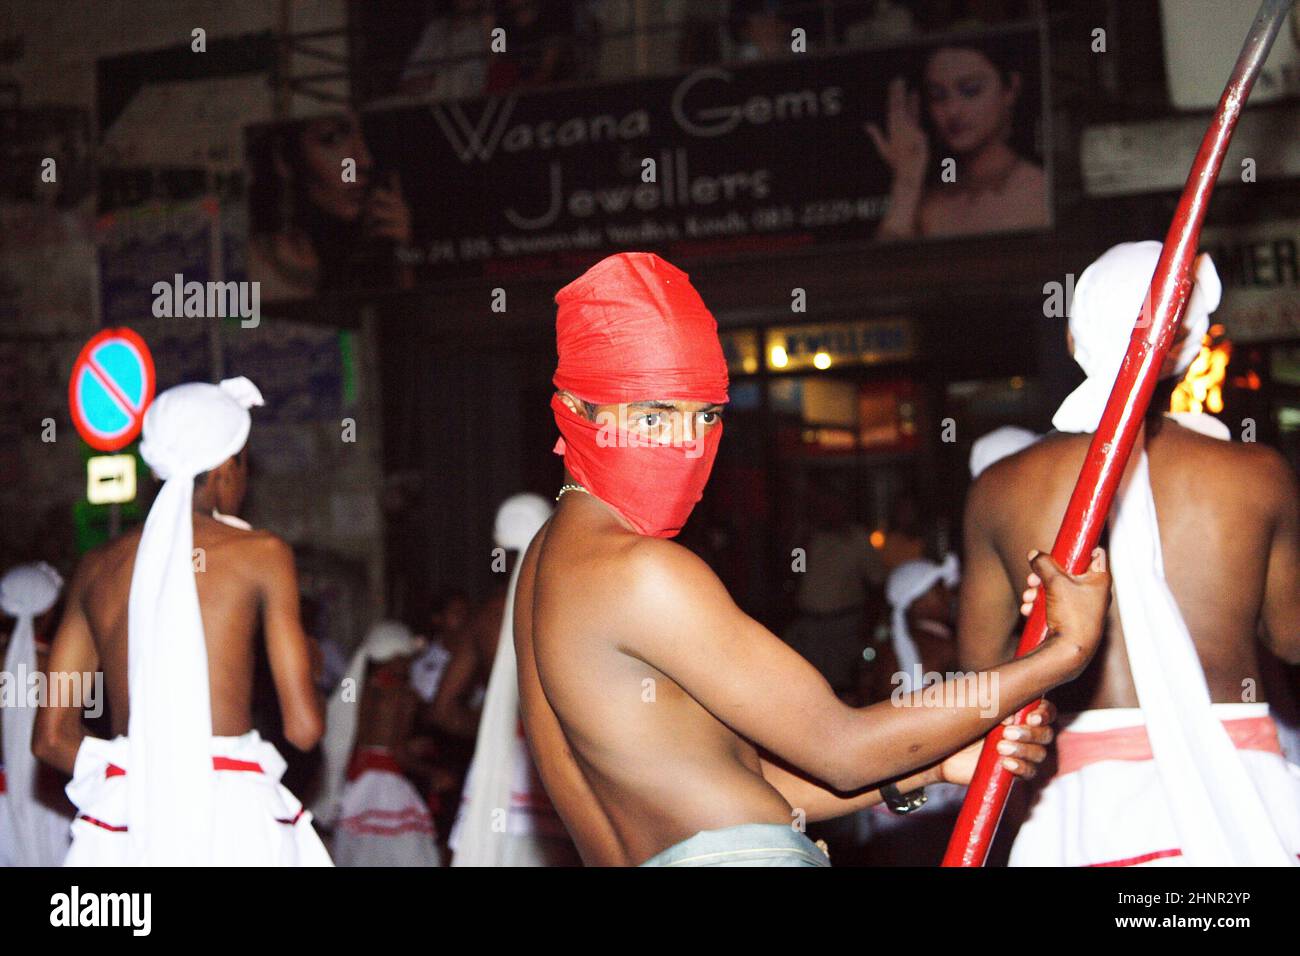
(383, 821)
(1106, 805)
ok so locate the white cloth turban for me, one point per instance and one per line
(1108, 298)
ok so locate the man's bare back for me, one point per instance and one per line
(1227, 515)
(244, 579)
(673, 769)
(388, 706)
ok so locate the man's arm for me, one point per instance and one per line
(448, 711)
(1281, 611)
(689, 628)
(288, 648)
(474, 655)
(58, 732)
(1022, 757)
(987, 610)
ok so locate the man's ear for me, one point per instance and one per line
(224, 473)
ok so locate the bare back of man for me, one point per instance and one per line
(1221, 505)
(673, 768)
(244, 579)
(388, 706)
(647, 695)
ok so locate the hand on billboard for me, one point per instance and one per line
(903, 145)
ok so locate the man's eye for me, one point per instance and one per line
(651, 420)
(708, 418)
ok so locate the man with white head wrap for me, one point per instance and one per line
(1165, 765)
(186, 781)
(908, 583)
(505, 818)
(378, 817)
(920, 595)
(33, 828)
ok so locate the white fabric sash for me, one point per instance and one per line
(480, 838)
(1219, 815)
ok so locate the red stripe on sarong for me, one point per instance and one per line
(218, 763)
(367, 829)
(372, 758)
(101, 823)
(1138, 860)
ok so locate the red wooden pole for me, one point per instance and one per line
(1120, 423)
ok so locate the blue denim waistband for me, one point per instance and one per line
(750, 844)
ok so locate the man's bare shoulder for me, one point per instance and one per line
(636, 586)
(1007, 481)
(255, 543)
(1244, 464)
(106, 559)
(260, 558)
(672, 590)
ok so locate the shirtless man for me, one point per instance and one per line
(195, 434)
(455, 707)
(1221, 505)
(380, 818)
(650, 700)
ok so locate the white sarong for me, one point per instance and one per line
(50, 830)
(382, 819)
(1106, 806)
(526, 831)
(257, 821)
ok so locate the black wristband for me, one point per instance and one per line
(902, 803)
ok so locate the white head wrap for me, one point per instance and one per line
(1107, 301)
(518, 519)
(493, 771)
(27, 592)
(1217, 812)
(384, 641)
(907, 582)
(188, 430)
(998, 444)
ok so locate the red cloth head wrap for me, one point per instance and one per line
(632, 328)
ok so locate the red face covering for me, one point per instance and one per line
(632, 328)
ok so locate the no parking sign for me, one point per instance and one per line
(111, 386)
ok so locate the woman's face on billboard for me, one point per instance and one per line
(325, 144)
(970, 104)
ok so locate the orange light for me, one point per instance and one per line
(1201, 389)
(877, 539)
